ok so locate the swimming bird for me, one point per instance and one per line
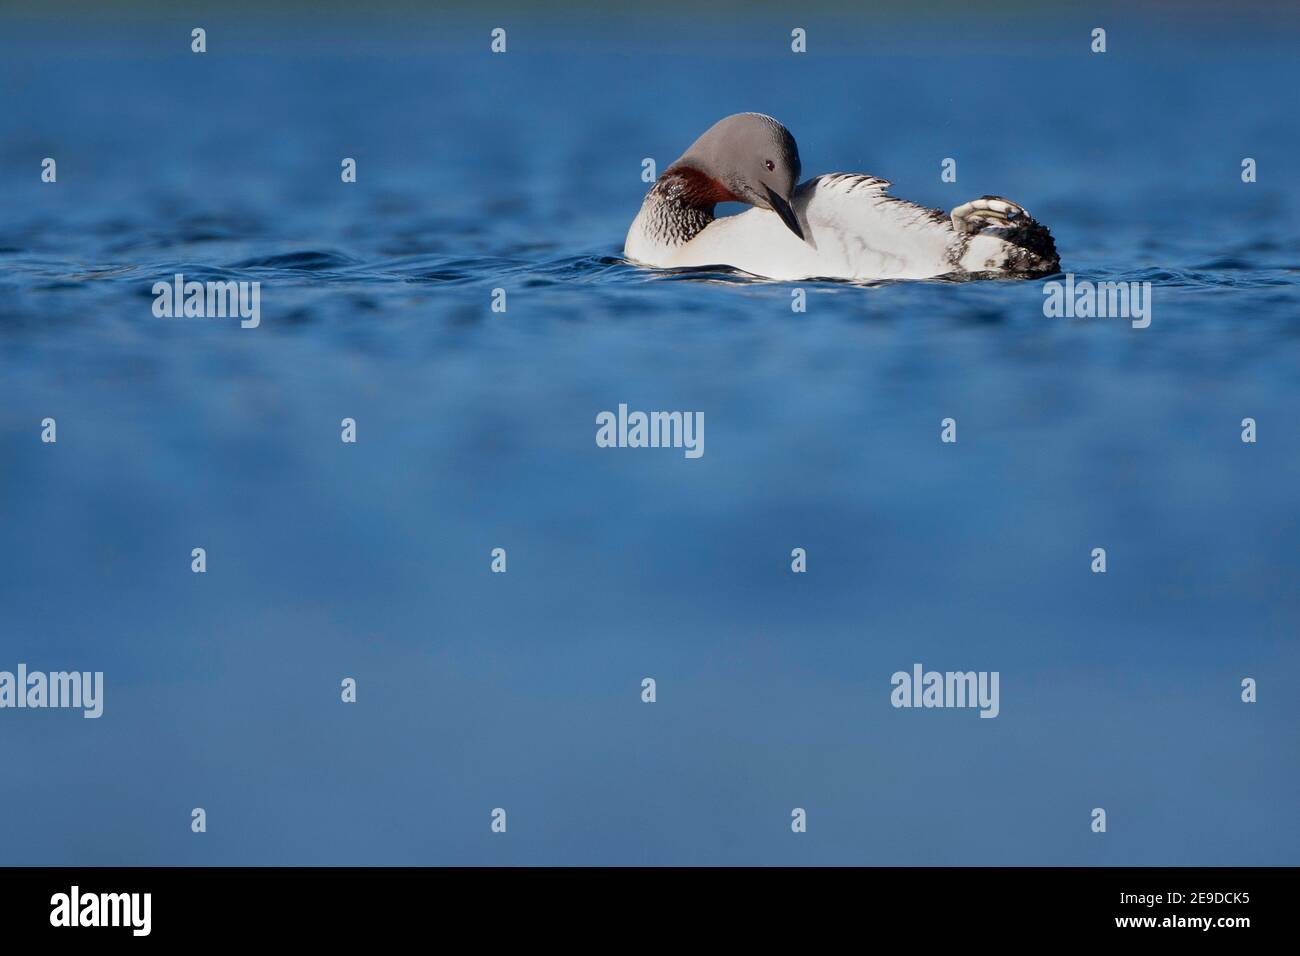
(836, 226)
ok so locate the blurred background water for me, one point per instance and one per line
(476, 430)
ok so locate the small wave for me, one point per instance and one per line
(308, 260)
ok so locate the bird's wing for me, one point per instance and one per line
(846, 183)
(852, 222)
(859, 202)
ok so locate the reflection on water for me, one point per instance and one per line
(476, 430)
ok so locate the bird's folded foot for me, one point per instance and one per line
(996, 235)
(978, 214)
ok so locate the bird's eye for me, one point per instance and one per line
(769, 164)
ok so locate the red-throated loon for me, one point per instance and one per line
(836, 226)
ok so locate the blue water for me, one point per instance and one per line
(476, 431)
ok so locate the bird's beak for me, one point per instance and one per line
(781, 206)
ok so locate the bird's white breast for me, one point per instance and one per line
(852, 231)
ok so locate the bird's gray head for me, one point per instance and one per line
(749, 158)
